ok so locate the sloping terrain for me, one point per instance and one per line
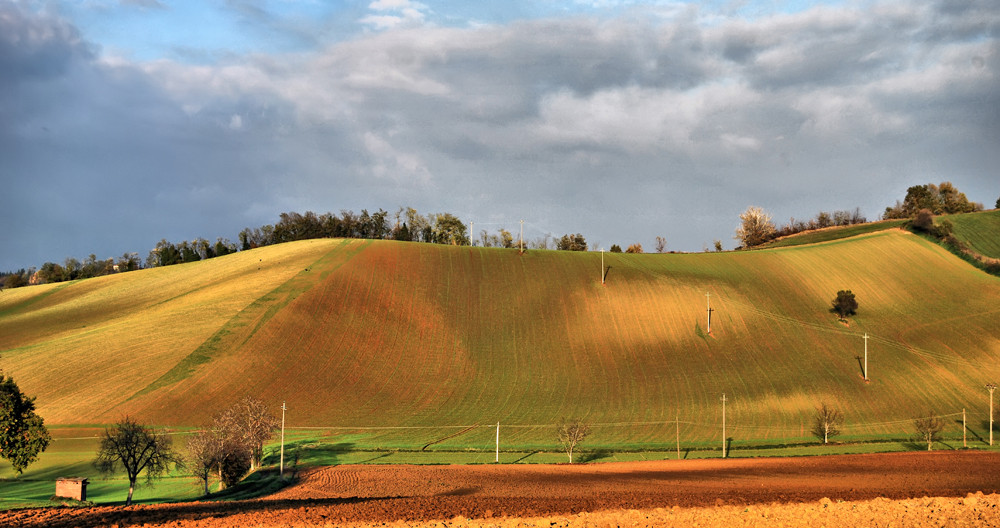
(355, 333)
(980, 231)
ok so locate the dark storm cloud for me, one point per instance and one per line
(621, 129)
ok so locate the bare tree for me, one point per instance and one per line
(661, 244)
(248, 423)
(928, 429)
(755, 227)
(204, 454)
(572, 433)
(136, 449)
(827, 423)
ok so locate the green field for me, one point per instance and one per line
(980, 231)
(381, 348)
(833, 233)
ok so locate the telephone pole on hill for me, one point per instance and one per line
(724, 425)
(281, 464)
(991, 387)
(602, 266)
(866, 356)
(708, 297)
(521, 238)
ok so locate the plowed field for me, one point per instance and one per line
(741, 492)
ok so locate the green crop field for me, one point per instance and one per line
(390, 347)
(981, 231)
(833, 233)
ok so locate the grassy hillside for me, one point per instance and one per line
(832, 233)
(980, 231)
(359, 335)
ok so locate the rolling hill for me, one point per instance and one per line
(385, 343)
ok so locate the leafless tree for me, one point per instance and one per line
(928, 429)
(136, 449)
(755, 227)
(572, 433)
(661, 244)
(204, 455)
(249, 423)
(827, 423)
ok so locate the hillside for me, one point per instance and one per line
(980, 231)
(356, 333)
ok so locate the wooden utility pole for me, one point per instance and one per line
(708, 296)
(963, 429)
(724, 425)
(472, 233)
(497, 460)
(602, 265)
(677, 422)
(521, 238)
(991, 387)
(866, 356)
(281, 464)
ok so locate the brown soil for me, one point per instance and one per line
(736, 492)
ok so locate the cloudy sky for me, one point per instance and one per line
(124, 122)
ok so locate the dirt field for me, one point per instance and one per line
(942, 488)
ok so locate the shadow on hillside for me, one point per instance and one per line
(525, 457)
(595, 455)
(310, 453)
(607, 270)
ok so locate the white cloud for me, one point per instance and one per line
(405, 13)
(815, 110)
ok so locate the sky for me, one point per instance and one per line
(126, 122)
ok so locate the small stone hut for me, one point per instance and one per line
(72, 488)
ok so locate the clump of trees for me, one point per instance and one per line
(634, 248)
(845, 304)
(167, 253)
(233, 444)
(822, 220)
(16, 279)
(938, 199)
(615, 248)
(756, 226)
(23, 435)
(570, 434)
(135, 449)
(406, 225)
(572, 243)
(827, 423)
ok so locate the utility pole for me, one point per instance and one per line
(472, 233)
(281, 464)
(963, 429)
(677, 422)
(521, 238)
(991, 387)
(498, 444)
(723, 425)
(708, 297)
(602, 266)
(866, 356)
